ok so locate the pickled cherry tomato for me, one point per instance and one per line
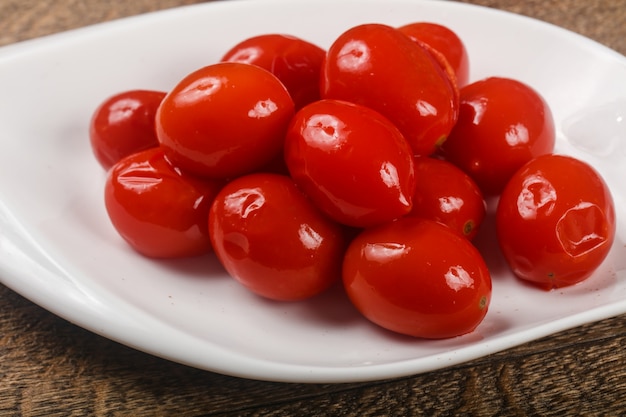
(273, 240)
(555, 221)
(124, 124)
(417, 277)
(352, 162)
(503, 123)
(224, 120)
(379, 67)
(296, 62)
(446, 194)
(445, 41)
(159, 210)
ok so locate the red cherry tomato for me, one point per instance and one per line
(380, 67)
(296, 62)
(555, 221)
(503, 123)
(444, 40)
(124, 124)
(351, 161)
(271, 239)
(160, 211)
(417, 277)
(224, 120)
(446, 194)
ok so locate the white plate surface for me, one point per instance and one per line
(58, 248)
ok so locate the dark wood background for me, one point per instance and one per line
(49, 367)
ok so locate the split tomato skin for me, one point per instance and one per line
(446, 194)
(445, 41)
(159, 210)
(224, 120)
(417, 277)
(503, 123)
(351, 161)
(273, 240)
(124, 124)
(555, 221)
(379, 67)
(296, 62)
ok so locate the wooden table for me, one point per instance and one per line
(49, 367)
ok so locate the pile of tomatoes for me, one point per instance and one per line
(368, 163)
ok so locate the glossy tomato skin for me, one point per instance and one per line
(378, 66)
(272, 240)
(224, 120)
(444, 40)
(351, 161)
(503, 123)
(124, 124)
(417, 277)
(296, 62)
(555, 221)
(159, 210)
(446, 194)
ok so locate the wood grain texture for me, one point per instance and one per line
(601, 20)
(49, 367)
(26, 19)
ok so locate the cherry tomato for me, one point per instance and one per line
(351, 161)
(446, 194)
(555, 221)
(159, 210)
(296, 62)
(224, 120)
(124, 124)
(379, 67)
(444, 40)
(273, 240)
(417, 277)
(503, 123)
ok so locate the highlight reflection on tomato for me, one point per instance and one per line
(555, 221)
(417, 277)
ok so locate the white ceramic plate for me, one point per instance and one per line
(58, 249)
